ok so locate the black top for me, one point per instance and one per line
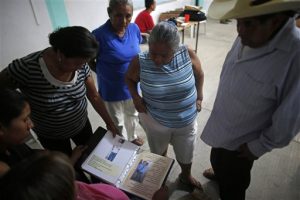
(16, 154)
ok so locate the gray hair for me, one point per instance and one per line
(167, 33)
(114, 3)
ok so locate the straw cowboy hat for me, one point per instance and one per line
(233, 9)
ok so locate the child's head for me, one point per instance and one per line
(45, 176)
(15, 122)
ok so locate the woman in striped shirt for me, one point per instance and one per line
(171, 81)
(56, 82)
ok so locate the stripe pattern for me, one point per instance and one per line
(58, 112)
(169, 91)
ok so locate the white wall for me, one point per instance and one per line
(87, 13)
(20, 34)
(206, 4)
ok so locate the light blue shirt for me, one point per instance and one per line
(258, 99)
(169, 91)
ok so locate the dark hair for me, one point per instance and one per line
(148, 3)
(114, 3)
(44, 176)
(74, 41)
(12, 104)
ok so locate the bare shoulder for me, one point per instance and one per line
(3, 168)
(6, 80)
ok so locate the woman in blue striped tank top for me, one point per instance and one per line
(171, 81)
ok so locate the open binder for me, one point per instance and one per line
(124, 165)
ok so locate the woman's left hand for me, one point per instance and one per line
(199, 105)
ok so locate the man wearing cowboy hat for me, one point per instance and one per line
(257, 107)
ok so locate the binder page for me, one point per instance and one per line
(147, 174)
(110, 157)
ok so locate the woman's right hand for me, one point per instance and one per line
(77, 152)
(139, 104)
(113, 129)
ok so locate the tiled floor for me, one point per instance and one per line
(275, 175)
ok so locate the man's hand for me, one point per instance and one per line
(113, 129)
(246, 153)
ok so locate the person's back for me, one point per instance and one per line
(145, 21)
(98, 191)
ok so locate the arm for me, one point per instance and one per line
(6, 80)
(285, 123)
(132, 78)
(92, 64)
(199, 77)
(3, 168)
(145, 35)
(98, 104)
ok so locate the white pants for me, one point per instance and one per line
(159, 137)
(124, 116)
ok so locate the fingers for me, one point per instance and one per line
(199, 105)
(198, 108)
(113, 129)
(81, 147)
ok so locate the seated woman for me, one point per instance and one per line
(50, 175)
(47, 175)
(15, 125)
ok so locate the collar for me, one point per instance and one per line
(282, 41)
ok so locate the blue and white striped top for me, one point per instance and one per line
(59, 109)
(169, 91)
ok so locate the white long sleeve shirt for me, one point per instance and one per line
(258, 99)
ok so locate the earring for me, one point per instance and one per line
(59, 59)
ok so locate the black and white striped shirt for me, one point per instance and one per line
(59, 109)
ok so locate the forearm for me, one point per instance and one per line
(6, 81)
(198, 74)
(137, 99)
(285, 124)
(92, 64)
(199, 80)
(132, 87)
(100, 108)
(275, 136)
(132, 77)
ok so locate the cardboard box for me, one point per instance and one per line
(167, 15)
